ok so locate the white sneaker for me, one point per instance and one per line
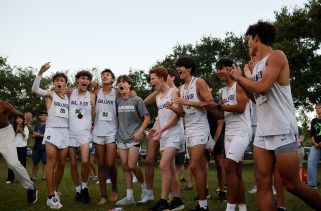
(57, 195)
(273, 190)
(146, 197)
(108, 181)
(253, 190)
(125, 201)
(54, 203)
(134, 179)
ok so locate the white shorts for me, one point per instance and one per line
(274, 142)
(170, 140)
(235, 146)
(58, 136)
(103, 140)
(76, 141)
(128, 145)
(197, 140)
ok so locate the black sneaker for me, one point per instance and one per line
(222, 196)
(32, 195)
(280, 209)
(78, 197)
(198, 208)
(85, 196)
(33, 179)
(176, 204)
(162, 204)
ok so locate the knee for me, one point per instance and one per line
(149, 161)
(291, 186)
(132, 167)
(85, 163)
(125, 167)
(164, 167)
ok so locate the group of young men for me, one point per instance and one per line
(120, 117)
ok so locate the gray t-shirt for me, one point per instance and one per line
(130, 117)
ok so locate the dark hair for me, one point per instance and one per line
(160, 72)
(318, 105)
(84, 73)
(264, 30)
(125, 78)
(187, 62)
(15, 123)
(108, 71)
(59, 75)
(224, 62)
(172, 73)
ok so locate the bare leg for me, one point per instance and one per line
(61, 161)
(110, 157)
(280, 197)
(84, 151)
(152, 147)
(167, 169)
(233, 185)
(52, 152)
(73, 166)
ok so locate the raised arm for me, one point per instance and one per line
(12, 109)
(36, 84)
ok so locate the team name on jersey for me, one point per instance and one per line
(73, 102)
(126, 108)
(189, 96)
(258, 75)
(110, 102)
(161, 106)
(229, 98)
(59, 104)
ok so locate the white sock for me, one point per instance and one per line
(242, 207)
(130, 193)
(149, 192)
(230, 207)
(78, 188)
(84, 185)
(143, 185)
(203, 203)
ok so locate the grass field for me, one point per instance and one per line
(13, 197)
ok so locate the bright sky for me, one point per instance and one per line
(119, 35)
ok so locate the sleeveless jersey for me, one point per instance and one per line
(275, 110)
(80, 114)
(58, 112)
(106, 115)
(195, 119)
(235, 123)
(165, 115)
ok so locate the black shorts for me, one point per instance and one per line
(219, 147)
(38, 155)
(180, 158)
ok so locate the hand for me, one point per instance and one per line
(150, 134)
(138, 136)
(247, 72)
(158, 134)
(252, 63)
(210, 150)
(169, 105)
(44, 68)
(235, 73)
(210, 105)
(94, 85)
(180, 100)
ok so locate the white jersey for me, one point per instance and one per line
(58, 112)
(80, 114)
(275, 110)
(195, 119)
(236, 123)
(164, 115)
(253, 113)
(106, 114)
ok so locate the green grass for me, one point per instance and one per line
(13, 196)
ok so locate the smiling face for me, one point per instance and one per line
(107, 78)
(60, 84)
(183, 72)
(83, 82)
(222, 73)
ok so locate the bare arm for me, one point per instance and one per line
(93, 105)
(151, 98)
(220, 124)
(140, 131)
(12, 109)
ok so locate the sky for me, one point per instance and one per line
(120, 35)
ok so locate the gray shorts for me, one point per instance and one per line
(291, 147)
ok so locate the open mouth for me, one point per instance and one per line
(153, 87)
(121, 88)
(179, 72)
(84, 85)
(59, 86)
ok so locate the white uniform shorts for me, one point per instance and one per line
(170, 140)
(274, 142)
(103, 140)
(58, 136)
(128, 145)
(202, 139)
(76, 141)
(235, 146)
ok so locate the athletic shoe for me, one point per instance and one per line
(176, 204)
(280, 209)
(222, 196)
(134, 179)
(102, 201)
(8, 182)
(183, 179)
(218, 189)
(198, 208)
(253, 190)
(147, 197)
(108, 181)
(95, 178)
(85, 196)
(32, 195)
(78, 197)
(54, 203)
(273, 190)
(43, 179)
(32, 179)
(125, 201)
(142, 195)
(57, 195)
(162, 204)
